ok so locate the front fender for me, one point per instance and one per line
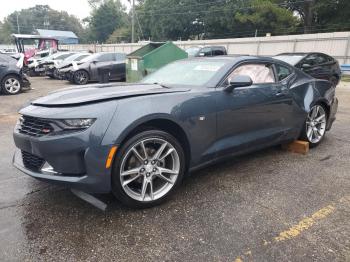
(122, 125)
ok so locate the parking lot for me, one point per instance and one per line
(270, 204)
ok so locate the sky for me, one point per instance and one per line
(79, 8)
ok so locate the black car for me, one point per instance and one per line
(138, 140)
(96, 67)
(212, 51)
(12, 78)
(318, 65)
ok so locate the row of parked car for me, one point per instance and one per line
(83, 67)
(80, 67)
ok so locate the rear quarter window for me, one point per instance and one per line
(282, 72)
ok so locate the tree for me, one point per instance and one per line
(105, 19)
(172, 19)
(305, 9)
(5, 32)
(122, 34)
(332, 15)
(267, 17)
(193, 19)
(43, 17)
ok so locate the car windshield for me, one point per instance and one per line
(192, 51)
(81, 57)
(193, 73)
(63, 56)
(290, 59)
(74, 57)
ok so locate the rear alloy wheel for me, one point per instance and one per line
(11, 85)
(315, 125)
(81, 77)
(149, 167)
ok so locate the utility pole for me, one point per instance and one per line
(18, 32)
(133, 22)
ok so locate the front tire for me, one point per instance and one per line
(147, 169)
(314, 129)
(81, 77)
(11, 85)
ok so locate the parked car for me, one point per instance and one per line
(51, 68)
(138, 140)
(193, 50)
(212, 51)
(12, 78)
(318, 65)
(68, 62)
(91, 68)
(47, 63)
(36, 64)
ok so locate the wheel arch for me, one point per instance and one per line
(11, 73)
(162, 123)
(323, 102)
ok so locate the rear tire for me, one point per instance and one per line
(147, 169)
(314, 129)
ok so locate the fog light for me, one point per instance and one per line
(47, 169)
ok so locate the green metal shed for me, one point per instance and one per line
(151, 57)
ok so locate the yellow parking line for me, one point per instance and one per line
(305, 224)
(297, 229)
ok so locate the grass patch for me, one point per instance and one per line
(345, 78)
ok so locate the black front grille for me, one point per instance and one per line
(32, 162)
(34, 126)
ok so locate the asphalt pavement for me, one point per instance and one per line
(271, 205)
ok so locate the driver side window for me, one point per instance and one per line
(259, 73)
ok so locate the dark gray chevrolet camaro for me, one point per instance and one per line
(138, 140)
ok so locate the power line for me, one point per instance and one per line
(192, 12)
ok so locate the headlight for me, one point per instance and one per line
(75, 124)
(81, 123)
(50, 127)
(65, 126)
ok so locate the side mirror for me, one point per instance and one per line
(239, 81)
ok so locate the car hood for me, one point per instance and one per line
(98, 93)
(65, 64)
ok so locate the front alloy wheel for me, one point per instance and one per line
(150, 167)
(81, 77)
(315, 126)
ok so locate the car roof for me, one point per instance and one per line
(236, 58)
(214, 46)
(301, 54)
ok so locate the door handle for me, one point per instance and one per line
(279, 94)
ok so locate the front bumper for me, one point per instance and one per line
(76, 159)
(74, 164)
(332, 113)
